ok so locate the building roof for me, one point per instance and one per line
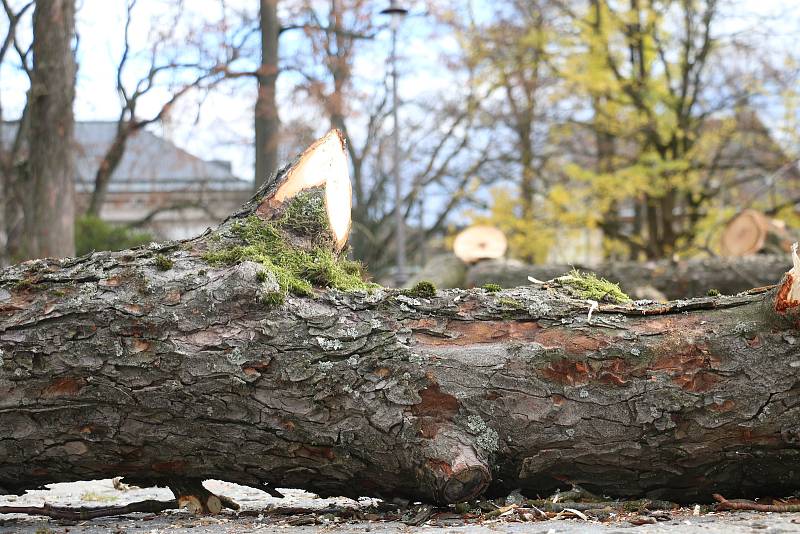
(150, 163)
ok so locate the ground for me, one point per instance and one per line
(103, 493)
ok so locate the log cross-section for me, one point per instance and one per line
(119, 364)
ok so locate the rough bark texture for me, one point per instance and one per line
(50, 213)
(682, 279)
(113, 366)
(156, 365)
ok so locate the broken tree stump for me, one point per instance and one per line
(255, 354)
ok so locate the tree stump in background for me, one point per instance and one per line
(752, 232)
(480, 243)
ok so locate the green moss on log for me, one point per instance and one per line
(271, 299)
(21, 285)
(297, 270)
(492, 288)
(510, 303)
(305, 216)
(591, 287)
(422, 289)
(163, 263)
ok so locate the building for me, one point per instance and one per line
(157, 186)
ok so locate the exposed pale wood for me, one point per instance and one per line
(479, 243)
(323, 165)
(752, 232)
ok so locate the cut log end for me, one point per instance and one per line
(322, 166)
(465, 485)
(480, 243)
(752, 232)
(453, 471)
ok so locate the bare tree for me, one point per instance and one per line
(11, 144)
(439, 152)
(188, 61)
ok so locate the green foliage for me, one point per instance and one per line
(296, 270)
(492, 288)
(713, 292)
(422, 289)
(655, 148)
(94, 234)
(590, 286)
(529, 239)
(163, 263)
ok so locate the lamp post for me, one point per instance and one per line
(397, 13)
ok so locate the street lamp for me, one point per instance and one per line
(397, 13)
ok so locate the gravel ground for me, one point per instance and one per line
(102, 493)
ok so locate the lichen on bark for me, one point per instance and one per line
(295, 248)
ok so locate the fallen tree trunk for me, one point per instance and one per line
(176, 363)
(673, 279)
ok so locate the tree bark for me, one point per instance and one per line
(155, 365)
(15, 179)
(675, 280)
(112, 367)
(50, 213)
(267, 121)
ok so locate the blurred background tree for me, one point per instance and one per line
(584, 129)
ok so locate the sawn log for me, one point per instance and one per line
(211, 358)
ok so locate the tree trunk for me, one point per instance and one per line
(682, 279)
(50, 202)
(15, 176)
(166, 367)
(267, 122)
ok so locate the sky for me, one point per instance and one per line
(223, 127)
